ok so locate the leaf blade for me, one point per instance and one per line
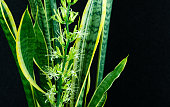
(10, 17)
(41, 60)
(107, 83)
(11, 41)
(24, 52)
(103, 43)
(102, 101)
(33, 6)
(95, 47)
(43, 23)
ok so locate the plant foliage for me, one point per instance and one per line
(63, 57)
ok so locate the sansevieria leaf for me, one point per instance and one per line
(41, 60)
(95, 47)
(33, 6)
(80, 44)
(40, 47)
(55, 26)
(25, 48)
(107, 83)
(103, 43)
(8, 17)
(48, 11)
(10, 35)
(43, 23)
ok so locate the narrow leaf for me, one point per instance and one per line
(48, 11)
(33, 6)
(24, 48)
(43, 23)
(56, 27)
(40, 48)
(95, 47)
(87, 89)
(80, 46)
(11, 41)
(103, 43)
(107, 83)
(41, 60)
(10, 17)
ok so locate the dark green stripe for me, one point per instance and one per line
(103, 43)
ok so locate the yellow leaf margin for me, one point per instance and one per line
(20, 58)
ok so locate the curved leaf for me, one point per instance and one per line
(9, 16)
(95, 47)
(107, 83)
(80, 46)
(41, 60)
(25, 48)
(40, 47)
(11, 41)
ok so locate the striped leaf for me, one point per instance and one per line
(49, 14)
(43, 23)
(11, 40)
(25, 48)
(95, 47)
(56, 28)
(103, 43)
(40, 56)
(107, 83)
(33, 6)
(80, 44)
(41, 60)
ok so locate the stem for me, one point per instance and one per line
(65, 58)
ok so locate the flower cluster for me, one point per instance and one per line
(61, 72)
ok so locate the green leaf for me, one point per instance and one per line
(102, 101)
(33, 6)
(80, 45)
(25, 43)
(43, 23)
(87, 89)
(11, 40)
(107, 83)
(94, 49)
(8, 18)
(40, 56)
(56, 27)
(103, 43)
(41, 60)
(50, 6)
(49, 15)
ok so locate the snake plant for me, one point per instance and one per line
(62, 56)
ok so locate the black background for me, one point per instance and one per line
(140, 28)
